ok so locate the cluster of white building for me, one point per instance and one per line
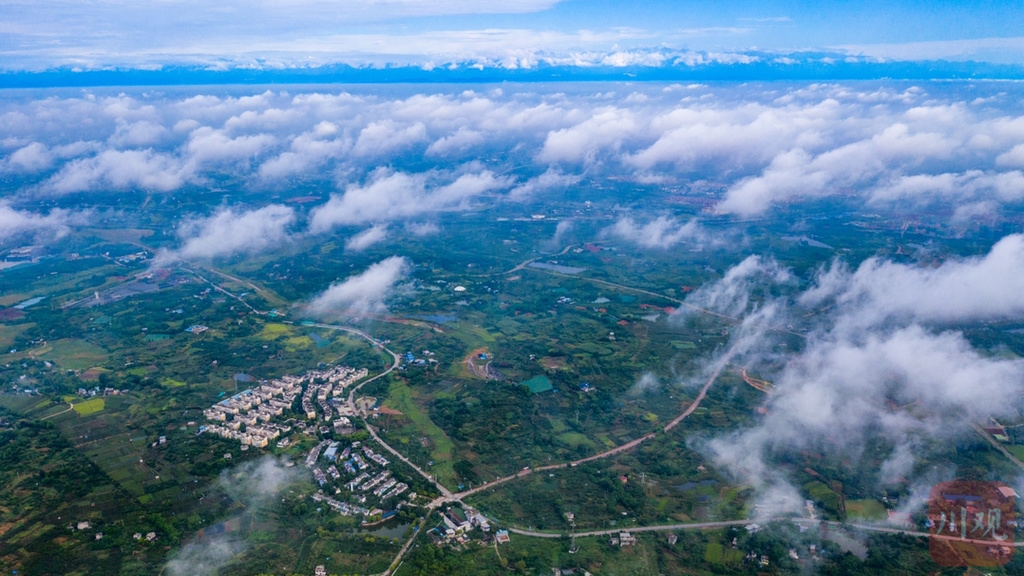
(327, 383)
(382, 484)
(459, 521)
(343, 508)
(255, 408)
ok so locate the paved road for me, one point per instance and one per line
(225, 291)
(796, 520)
(70, 408)
(632, 529)
(447, 494)
(521, 265)
(720, 365)
(731, 319)
(988, 437)
(408, 543)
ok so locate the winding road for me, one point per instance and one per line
(446, 493)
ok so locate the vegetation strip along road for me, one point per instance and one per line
(796, 520)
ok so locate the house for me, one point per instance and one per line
(626, 539)
(477, 519)
(455, 522)
(331, 451)
(672, 539)
(501, 537)
(320, 571)
(151, 536)
(459, 519)
(998, 432)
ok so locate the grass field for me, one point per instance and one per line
(1017, 450)
(575, 439)
(273, 331)
(73, 354)
(8, 333)
(866, 509)
(91, 406)
(400, 397)
(11, 299)
(538, 384)
(718, 554)
(296, 343)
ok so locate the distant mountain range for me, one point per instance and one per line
(661, 66)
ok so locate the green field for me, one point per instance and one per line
(91, 406)
(74, 354)
(1017, 450)
(718, 554)
(400, 397)
(272, 331)
(865, 509)
(8, 333)
(538, 384)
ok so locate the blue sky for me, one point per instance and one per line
(508, 33)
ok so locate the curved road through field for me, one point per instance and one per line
(447, 494)
(69, 409)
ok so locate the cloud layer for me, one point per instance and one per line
(22, 223)
(230, 231)
(398, 156)
(362, 293)
(252, 485)
(877, 364)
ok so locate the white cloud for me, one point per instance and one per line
(551, 179)
(122, 170)
(32, 158)
(764, 145)
(367, 238)
(662, 232)
(604, 129)
(252, 485)
(796, 174)
(386, 137)
(397, 196)
(308, 150)
(1012, 157)
(951, 187)
(984, 287)
(462, 140)
(229, 232)
(731, 295)
(208, 145)
(874, 341)
(362, 293)
(422, 228)
(137, 134)
(57, 223)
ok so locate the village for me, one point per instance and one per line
(248, 415)
(354, 479)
